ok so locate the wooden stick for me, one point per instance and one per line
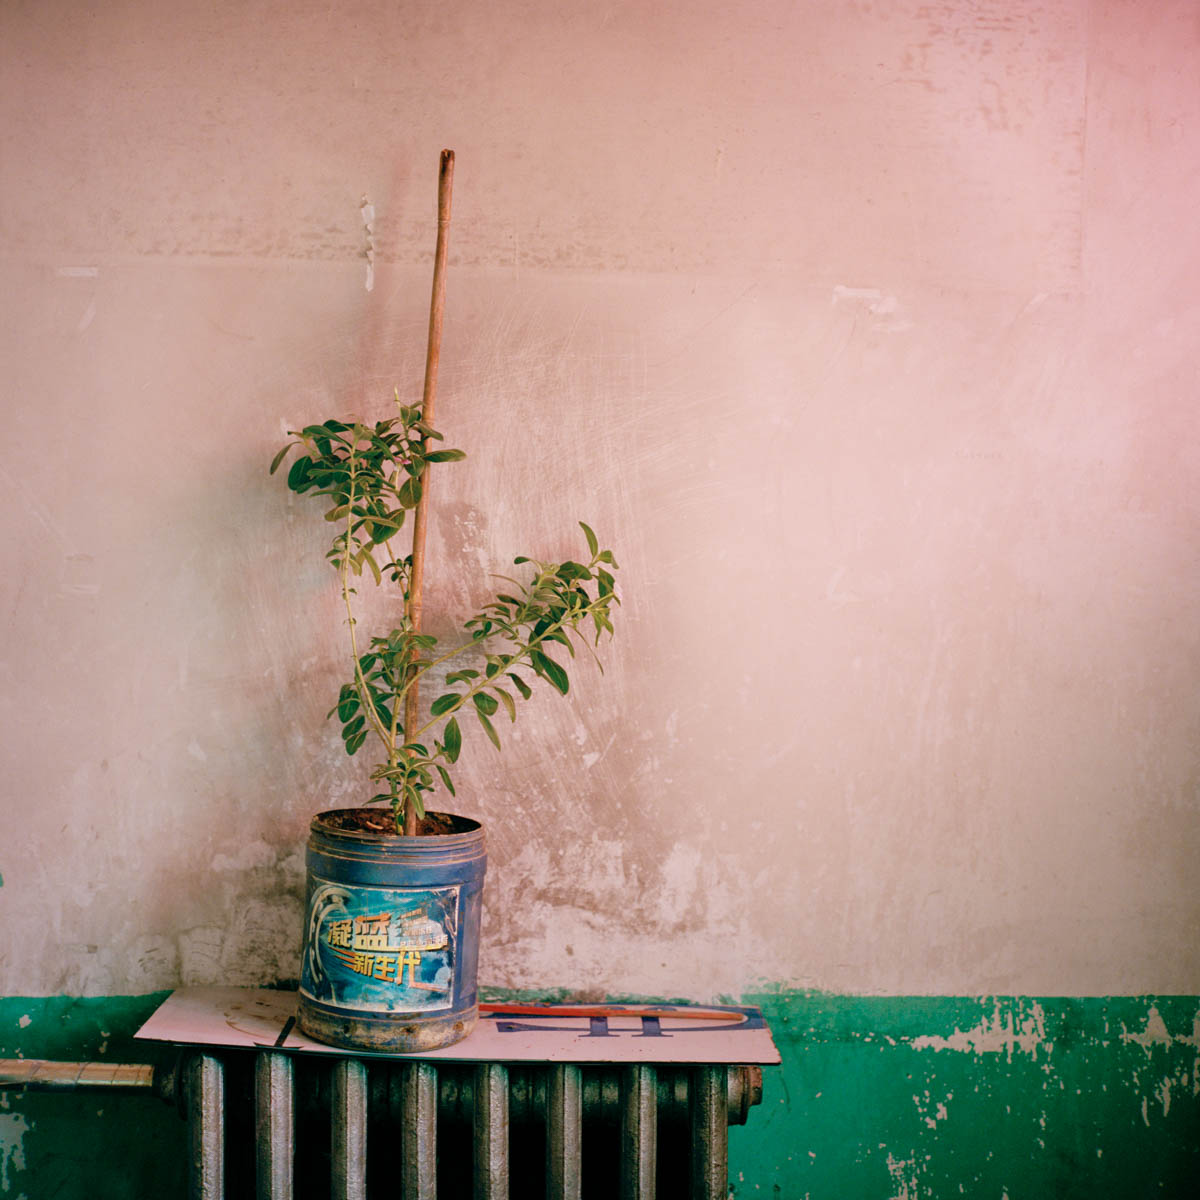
(432, 356)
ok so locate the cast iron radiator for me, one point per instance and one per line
(274, 1125)
(486, 1130)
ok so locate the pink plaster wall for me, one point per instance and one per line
(866, 333)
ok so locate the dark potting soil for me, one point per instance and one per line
(381, 821)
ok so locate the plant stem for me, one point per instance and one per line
(364, 696)
(387, 545)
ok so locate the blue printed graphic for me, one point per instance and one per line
(380, 949)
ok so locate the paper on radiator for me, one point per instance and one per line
(250, 1018)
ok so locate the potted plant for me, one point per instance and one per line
(394, 896)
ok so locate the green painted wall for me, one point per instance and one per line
(89, 1144)
(878, 1098)
(1022, 1098)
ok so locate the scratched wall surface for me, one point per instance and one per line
(865, 333)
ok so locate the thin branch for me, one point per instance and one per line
(490, 681)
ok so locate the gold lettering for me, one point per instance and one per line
(410, 959)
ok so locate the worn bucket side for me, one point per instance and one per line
(391, 945)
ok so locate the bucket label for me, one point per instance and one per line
(380, 949)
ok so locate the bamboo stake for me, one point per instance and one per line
(432, 357)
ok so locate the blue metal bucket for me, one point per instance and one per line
(391, 936)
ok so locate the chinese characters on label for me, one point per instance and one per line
(381, 948)
(386, 945)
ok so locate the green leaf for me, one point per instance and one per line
(446, 778)
(572, 570)
(444, 704)
(559, 636)
(347, 707)
(436, 456)
(522, 686)
(297, 478)
(593, 544)
(508, 703)
(382, 528)
(279, 458)
(365, 556)
(488, 728)
(485, 703)
(354, 744)
(409, 493)
(545, 666)
(453, 737)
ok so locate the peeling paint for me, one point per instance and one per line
(1002, 1033)
(905, 1178)
(1098, 1115)
(64, 1145)
(1164, 1094)
(13, 1128)
(1153, 1034)
(367, 213)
